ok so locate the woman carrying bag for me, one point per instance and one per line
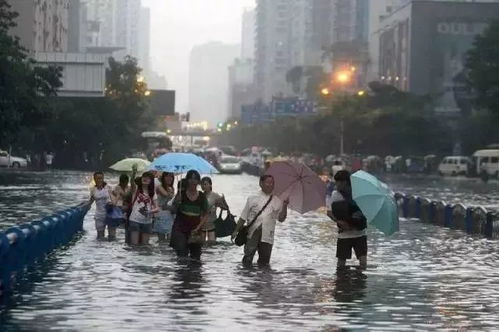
(214, 201)
(191, 207)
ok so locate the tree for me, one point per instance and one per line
(24, 87)
(482, 67)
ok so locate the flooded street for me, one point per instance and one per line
(424, 277)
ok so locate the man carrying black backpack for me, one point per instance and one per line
(350, 220)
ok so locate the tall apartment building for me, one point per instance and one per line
(42, 25)
(272, 59)
(118, 26)
(209, 81)
(248, 34)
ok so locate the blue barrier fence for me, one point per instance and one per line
(23, 245)
(471, 219)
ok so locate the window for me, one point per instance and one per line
(494, 160)
(463, 162)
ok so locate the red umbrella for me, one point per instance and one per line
(304, 188)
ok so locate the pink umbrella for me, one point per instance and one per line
(305, 189)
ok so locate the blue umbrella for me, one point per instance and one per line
(181, 163)
(376, 201)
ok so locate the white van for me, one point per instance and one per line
(454, 165)
(487, 161)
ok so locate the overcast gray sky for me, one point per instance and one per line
(178, 25)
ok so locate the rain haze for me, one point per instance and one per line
(179, 25)
(249, 165)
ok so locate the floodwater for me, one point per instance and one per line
(422, 278)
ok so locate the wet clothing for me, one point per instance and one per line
(189, 213)
(267, 219)
(139, 227)
(101, 197)
(212, 198)
(163, 222)
(255, 244)
(342, 210)
(188, 217)
(180, 242)
(344, 247)
(143, 204)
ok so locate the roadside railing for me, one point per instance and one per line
(471, 219)
(22, 245)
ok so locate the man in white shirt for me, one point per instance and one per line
(261, 232)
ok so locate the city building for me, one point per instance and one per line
(144, 46)
(423, 47)
(209, 81)
(241, 87)
(248, 34)
(42, 25)
(45, 28)
(349, 49)
(119, 28)
(378, 10)
(83, 74)
(272, 60)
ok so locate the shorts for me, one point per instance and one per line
(114, 222)
(138, 227)
(344, 247)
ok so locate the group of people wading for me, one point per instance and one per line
(184, 217)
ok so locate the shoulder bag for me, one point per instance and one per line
(242, 235)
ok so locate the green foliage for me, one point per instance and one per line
(482, 66)
(95, 132)
(384, 122)
(24, 87)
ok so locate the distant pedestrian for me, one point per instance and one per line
(191, 208)
(49, 159)
(350, 220)
(143, 208)
(261, 213)
(215, 201)
(164, 219)
(101, 195)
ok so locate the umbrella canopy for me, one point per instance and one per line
(376, 201)
(181, 163)
(126, 165)
(305, 190)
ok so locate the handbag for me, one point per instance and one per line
(242, 235)
(196, 238)
(225, 227)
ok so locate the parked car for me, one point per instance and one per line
(10, 161)
(454, 165)
(487, 162)
(230, 165)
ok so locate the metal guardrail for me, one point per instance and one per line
(23, 245)
(470, 219)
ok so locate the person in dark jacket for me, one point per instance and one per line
(350, 220)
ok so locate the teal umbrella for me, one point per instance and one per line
(376, 201)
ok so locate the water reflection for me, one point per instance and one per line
(424, 277)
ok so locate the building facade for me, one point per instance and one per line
(272, 59)
(42, 25)
(423, 47)
(209, 81)
(241, 87)
(248, 34)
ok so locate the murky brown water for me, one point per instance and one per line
(422, 278)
